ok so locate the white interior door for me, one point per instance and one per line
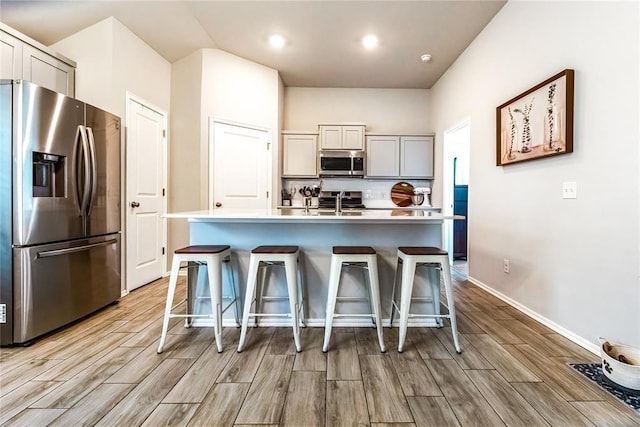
(241, 165)
(146, 200)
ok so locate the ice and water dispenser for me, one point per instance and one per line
(48, 175)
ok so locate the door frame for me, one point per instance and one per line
(447, 184)
(211, 146)
(131, 97)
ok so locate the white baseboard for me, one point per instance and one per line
(124, 293)
(586, 344)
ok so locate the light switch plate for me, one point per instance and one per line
(569, 190)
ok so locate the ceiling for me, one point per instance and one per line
(323, 47)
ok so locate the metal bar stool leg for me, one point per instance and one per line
(396, 282)
(434, 282)
(374, 286)
(301, 297)
(214, 271)
(234, 291)
(450, 304)
(334, 283)
(252, 277)
(291, 272)
(408, 276)
(173, 280)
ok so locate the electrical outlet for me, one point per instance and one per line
(3, 313)
(505, 265)
(569, 190)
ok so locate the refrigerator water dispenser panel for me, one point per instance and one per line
(48, 175)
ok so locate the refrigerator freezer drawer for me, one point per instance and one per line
(58, 283)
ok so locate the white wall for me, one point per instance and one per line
(382, 110)
(139, 69)
(184, 151)
(574, 262)
(92, 49)
(111, 61)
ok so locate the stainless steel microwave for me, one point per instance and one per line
(341, 163)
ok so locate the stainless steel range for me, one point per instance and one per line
(59, 210)
(350, 199)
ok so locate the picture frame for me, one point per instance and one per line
(537, 123)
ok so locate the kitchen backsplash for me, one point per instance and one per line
(375, 193)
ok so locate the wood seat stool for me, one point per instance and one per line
(353, 256)
(410, 258)
(264, 257)
(213, 257)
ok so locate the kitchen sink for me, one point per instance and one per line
(319, 212)
(345, 212)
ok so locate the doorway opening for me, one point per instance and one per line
(456, 193)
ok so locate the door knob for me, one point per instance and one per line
(134, 204)
(218, 205)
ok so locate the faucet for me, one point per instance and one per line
(339, 197)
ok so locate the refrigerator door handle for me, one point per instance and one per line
(94, 169)
(46, 254)
(82, 188)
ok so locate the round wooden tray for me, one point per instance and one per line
(401, 194)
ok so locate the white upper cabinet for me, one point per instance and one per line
(47, 71)
(24, 59)
(342, 137)
(399, 156)
(300, 152)
(383, 156)
(416, 156)
(10, 56)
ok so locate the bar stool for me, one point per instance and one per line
(213, 256)
(266, 257)
(353, 256)
(434, 259)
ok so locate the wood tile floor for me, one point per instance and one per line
(105, 371)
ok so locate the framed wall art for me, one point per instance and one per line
(537, 123)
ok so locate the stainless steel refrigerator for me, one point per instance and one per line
(59, 210)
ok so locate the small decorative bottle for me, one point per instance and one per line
(551, 123)
(526, 127)
(513, 136)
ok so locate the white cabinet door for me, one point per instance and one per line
(241, 165)
(10, 57)
(416, 156)
(47, 71)
(353, 137)
(383, 156)
(331, 137)
(342, 137)
(146, 180)
(300, 155)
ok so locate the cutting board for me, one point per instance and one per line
(401, 194)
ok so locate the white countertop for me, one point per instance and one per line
(313, 215)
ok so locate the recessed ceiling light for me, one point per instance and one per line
(277, 40)
(425, 58)
(370, 41)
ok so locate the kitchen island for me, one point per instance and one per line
(315, 232)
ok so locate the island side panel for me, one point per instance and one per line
(315, 241)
